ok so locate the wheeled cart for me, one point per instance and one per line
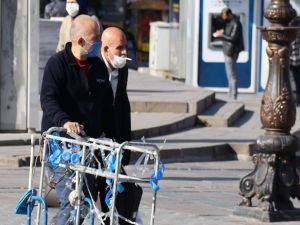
(75, 153)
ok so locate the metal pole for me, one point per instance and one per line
(91, 206)
(43, 159)
(79, 182)
(114, 194)
(42, 201)
(31, 161)
(153, 208)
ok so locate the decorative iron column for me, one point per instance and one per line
(275, 178)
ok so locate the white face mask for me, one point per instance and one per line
(72, 9)
(118, 62)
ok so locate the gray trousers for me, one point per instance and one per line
(230, 67)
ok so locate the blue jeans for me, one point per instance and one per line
(63, 189)
(230, 67)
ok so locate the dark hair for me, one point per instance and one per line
(83, 6)
(226, 11)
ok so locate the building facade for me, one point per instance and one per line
(195, 56)
(202, 60)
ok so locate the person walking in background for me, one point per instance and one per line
(114, 54)
(74, 9)
(76, 94)
(295, 61)
(55, 8)
(233, 44)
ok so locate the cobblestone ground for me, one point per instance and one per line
(191, 194)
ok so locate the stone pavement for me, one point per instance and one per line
(191, 193)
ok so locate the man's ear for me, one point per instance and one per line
(105, 48)
(80, 41)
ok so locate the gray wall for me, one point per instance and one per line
(18, 56)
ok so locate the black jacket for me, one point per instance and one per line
(233, 41)
(122, 109)
(68, 95)
(121, 113)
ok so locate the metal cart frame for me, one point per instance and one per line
(90, 144)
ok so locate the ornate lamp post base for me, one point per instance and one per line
(276, 174)
(273, 181)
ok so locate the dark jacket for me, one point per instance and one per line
(233, 41)
(121, 113)
(122, 109)
(68, 95)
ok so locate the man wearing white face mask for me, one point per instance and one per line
(114, 54)
(74, 9)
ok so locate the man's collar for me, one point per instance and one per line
(69, 54)
(112, 73)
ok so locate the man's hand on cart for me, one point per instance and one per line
(73, 127)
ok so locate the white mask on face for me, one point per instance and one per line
(118, 62)
(72, 9)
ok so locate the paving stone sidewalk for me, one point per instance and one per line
(191, 193)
